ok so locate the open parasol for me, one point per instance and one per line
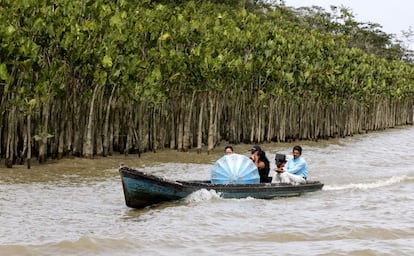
(234, 169)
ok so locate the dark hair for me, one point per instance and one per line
(298, 148)
(256, 148)
(230, 147)
(262, 155)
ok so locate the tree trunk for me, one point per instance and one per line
(77, 131)
(44, 133)
(217, 119)
(270, 124)
(22, 149)
(200, 129)
(210, 140)
(129, 132)
(116, 129)
(61, 140)
(69, 132)
(29, 141)
(10, 138)
(180, 128)
(99, 124)
(154, 129)
(105, 134)
(173, 131)
(187, 125)
(87, 151)
(253, 126)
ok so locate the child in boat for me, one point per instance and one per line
(228, 150)
(280, 160)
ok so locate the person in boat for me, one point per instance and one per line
(258, 156)
(295, 171)
(228, 150)
(280, 160)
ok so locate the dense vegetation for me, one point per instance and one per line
(85, 78)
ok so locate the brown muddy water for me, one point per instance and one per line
(76, 206)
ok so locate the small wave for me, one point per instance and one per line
(364, 186)
(202, 195)
(83, 246)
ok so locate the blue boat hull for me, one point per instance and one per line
(142, 190)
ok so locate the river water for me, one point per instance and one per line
(76, 206)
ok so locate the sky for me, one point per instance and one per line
(394, 16)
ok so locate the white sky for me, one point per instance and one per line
(394, 16)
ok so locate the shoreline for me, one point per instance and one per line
(172, 155)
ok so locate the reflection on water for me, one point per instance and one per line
(76, 206)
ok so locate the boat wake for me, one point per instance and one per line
(364, 186)
(202, 195)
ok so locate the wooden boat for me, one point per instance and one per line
(142, 190)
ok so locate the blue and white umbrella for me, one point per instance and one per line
(234, 169)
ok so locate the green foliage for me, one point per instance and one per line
(157, 50)
(145, 56)
(40, 137)
(341, 21)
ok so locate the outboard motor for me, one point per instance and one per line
(280, 159)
